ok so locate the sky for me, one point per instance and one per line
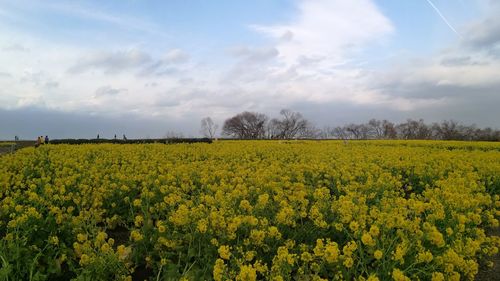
(75, 69)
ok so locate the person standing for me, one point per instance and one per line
(47, 139)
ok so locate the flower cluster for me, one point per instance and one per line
(251, 210)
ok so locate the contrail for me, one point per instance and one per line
(444, 18)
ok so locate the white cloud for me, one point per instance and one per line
(107, 91)
(254, 54)
(5, 75)
(306, 62)
(175, 56)
(311, 53)
(15, 48)
(330, 29)
(111, 62)
(300, 62)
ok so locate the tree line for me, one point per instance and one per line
(292, 125)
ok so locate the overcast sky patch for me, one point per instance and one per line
(172, 64)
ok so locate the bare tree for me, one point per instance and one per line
(273, 129)
(447, 130)
(325, 133)
(376, 129)
(208, 127)
(340, 133)
(413, 129)
(310, 132)
(246, 125)
(291, 125)
(173, 135)
(389, 130)
(357, 131)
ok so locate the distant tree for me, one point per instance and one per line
(174, 135)
(325, 133)
(389, 130)
(381, 129)
(246, 125)
(291, 125)
(273, 129)
(413, 129)
(467, 132)
(486, 134)
(357, 131)
(447, 130)
(310, 132)
(208, 127)
(376, 129)
(340, 133)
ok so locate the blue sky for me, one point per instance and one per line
(171, 63)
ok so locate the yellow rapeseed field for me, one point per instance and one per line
(250, 210)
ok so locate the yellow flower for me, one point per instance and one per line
(374, 230)
(161, 229)
(123, 252)
(354, 226)
(399, 253)
(249, 255)
(274, 232)
(245, 205)
(101, 237)
(219, 270)
(319, 250)
(437, 276)
(247, 273)
(367, 240)
(331, 252)
(436, 238)
(136, 235)
(306, 257)
(84, 260)
(137, 202)
(348, 262)
(81, 237)
(105, 248)
(224, 252)
(257, 236)
(202, 226)
(54, 240)
(398, 275)
(424, 256)
(378, 254)
(138, 220)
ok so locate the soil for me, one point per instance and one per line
(120, 234)
(142, 273)
(491, 274)
(19, 144)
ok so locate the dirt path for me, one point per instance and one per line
(4, 150)
(19, 144)
(491, 274)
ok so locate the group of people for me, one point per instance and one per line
(41, 140)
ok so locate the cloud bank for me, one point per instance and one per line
(310, 61)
